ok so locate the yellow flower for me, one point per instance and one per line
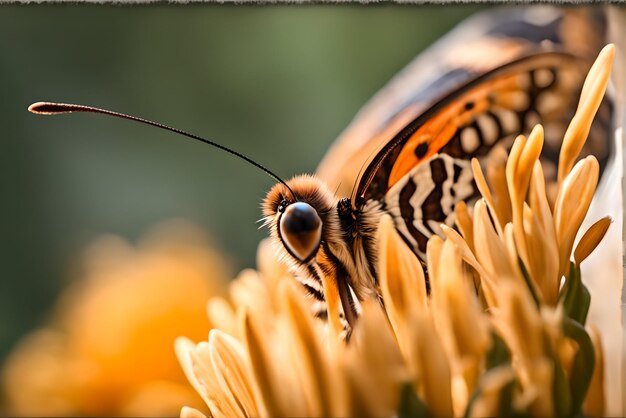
(499, 334)
(108, 350)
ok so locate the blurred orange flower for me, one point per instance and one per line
(109, 348)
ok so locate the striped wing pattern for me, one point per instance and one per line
(427, 175)
(425, 169)
(425, 198)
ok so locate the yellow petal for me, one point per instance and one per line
(433, 252)
(571, 205)
(222, 315)
(374, 368)
(530, 155)
(486, 279)
(187, 412)
(519, 168)
(483, 188)
(590, 99)
(401, 278)
(311, 358)
(464, 223)
(538, 200)
(463, 247)
(490, 251)
(543, 257)
(232, 371)
(458, 299)
(268, 264)
(496, 174)
(459, 319)
(591, 239)
(196, 364)
(434, 366)
(520, 325)
(259, 358)
(250, 292)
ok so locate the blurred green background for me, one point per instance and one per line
(277, 83)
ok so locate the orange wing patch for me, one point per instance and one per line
(506, 92)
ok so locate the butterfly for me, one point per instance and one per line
(408, 152)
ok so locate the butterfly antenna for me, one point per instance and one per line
(46, 108)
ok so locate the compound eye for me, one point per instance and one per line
(300, 229)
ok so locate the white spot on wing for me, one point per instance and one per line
(469, 139)
(543, 77)
(548, 103)
(488, 128)
(508, 119)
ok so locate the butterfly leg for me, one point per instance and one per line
(341, 303)
(333, 300)
(347, 298)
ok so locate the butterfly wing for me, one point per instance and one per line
(425, 170)
(478, 45)
(469, 121)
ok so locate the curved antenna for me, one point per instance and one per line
(47, 108)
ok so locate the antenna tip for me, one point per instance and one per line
(47, 108)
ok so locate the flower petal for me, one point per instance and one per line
(232, 371)
(591, 96)
(571, 205)
(401, 278)
(187, 412)
(591, 239)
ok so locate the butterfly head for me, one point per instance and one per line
(299, 220)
